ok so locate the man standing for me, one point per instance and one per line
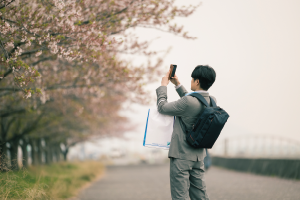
(186, 162)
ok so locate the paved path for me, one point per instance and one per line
(151, 182)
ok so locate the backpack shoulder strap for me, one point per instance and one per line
(212, 102)
(200, 98)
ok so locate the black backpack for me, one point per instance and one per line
(208, 125)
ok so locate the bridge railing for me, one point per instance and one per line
(256, 146)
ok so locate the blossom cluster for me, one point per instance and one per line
(87, 31)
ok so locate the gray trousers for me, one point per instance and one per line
(187, 180)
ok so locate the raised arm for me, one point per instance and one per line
(175, 108)
(181, 90)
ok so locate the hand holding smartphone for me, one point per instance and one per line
(172, 71)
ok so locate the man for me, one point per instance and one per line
(186, 163)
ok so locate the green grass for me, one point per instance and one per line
(56, 181)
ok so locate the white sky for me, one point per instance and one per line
(254, 47)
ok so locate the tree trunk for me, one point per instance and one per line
(48, 153)
(34, 152)
(58, 151)
(24, 153)
(46, 156)
(14, 154)
(65, 153)
(55, 153)
(3, 156)
(39, 151)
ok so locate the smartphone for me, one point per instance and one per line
(173, 70)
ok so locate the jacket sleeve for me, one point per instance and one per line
(175, 108)
(181, 91)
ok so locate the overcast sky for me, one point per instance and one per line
(254, 47)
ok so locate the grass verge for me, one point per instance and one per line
(55, 181)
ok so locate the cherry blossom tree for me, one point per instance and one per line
(68, 52)
(88, 31)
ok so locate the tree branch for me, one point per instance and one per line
(28, 129)
(5, 93)
(6, 74)
(112, 14)
(32, 51)
(15, 48)
(42, 60)
(8, 113)
(10, 89)
(6, 4)
(4, 50)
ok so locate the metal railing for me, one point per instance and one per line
(259, 146)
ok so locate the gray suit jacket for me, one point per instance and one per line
(188, 108)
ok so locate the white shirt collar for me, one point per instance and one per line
(201, 91)
(198, 91)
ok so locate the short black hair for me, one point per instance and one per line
(206, 76)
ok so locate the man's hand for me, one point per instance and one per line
(165, 79)
(175, 80)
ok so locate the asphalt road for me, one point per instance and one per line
(151, 182)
